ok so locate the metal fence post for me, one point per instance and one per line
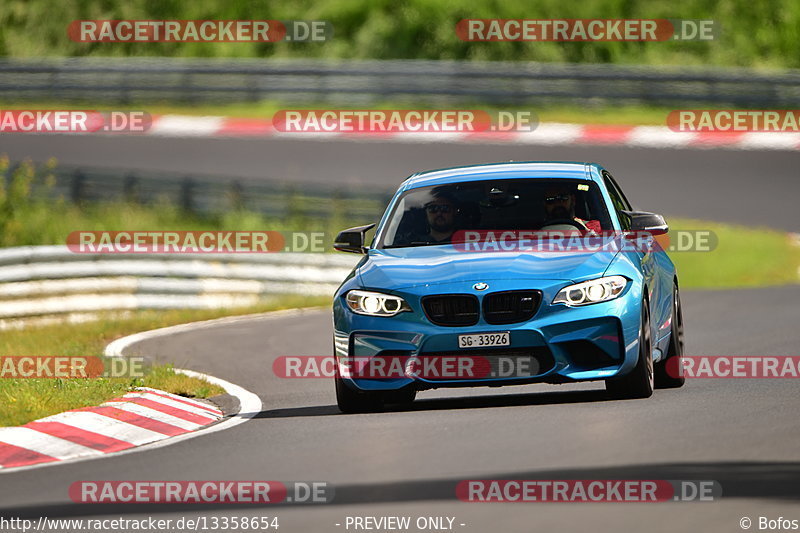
(78, 187)
(186, 199)
(236, 195)
(130, 189)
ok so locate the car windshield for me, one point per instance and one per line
(436, 215)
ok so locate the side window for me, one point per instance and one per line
(610, 179)
(618, 199)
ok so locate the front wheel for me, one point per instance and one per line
(353, 401)
(639, 382)
(669, 372)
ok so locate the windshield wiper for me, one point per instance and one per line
(413, 244)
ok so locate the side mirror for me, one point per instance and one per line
(352, 239)
(650, 222)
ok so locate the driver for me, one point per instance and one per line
(440, 214)
(559, 204)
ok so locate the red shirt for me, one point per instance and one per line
(591, 225)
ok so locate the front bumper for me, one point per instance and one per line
(593, 342)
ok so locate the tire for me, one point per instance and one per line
(674, 359)
(404, 396)
(639, 382)
(352, 401)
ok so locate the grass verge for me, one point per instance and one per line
(743, 257)
(23, 400)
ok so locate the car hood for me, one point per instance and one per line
(425, 265)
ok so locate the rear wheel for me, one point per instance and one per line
(669, 372)
(639, 382)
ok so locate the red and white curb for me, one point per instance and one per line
(137, 418)
(547, 134)
(138, 421)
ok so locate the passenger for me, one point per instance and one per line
(559, 205)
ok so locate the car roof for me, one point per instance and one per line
(507, 170)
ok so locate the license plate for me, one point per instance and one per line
(482, 340)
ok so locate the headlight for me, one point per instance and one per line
(591, 292)
(375, 303)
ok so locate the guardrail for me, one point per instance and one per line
(210, 194)
(47, 280)
(136, 80)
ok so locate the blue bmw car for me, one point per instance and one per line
(482, 276)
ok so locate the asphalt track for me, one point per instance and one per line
(742, 433)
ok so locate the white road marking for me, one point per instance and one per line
(174, 404)
(205, 406)
(105, 425)
(153, 414)
(39, 442)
